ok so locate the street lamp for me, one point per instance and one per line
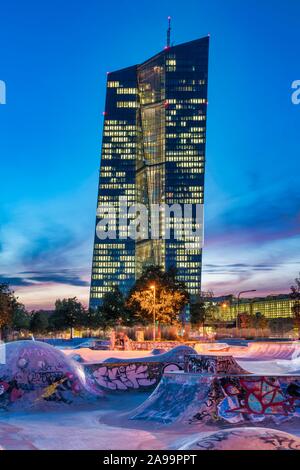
(153, 287)
(238, 304)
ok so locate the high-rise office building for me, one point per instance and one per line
(153, 153)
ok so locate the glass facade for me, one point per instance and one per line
(153, 152)
(279, 306)
(114, 259)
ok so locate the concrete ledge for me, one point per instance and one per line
(213, 364)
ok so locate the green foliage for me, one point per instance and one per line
(171, 296)
(295, 295)
(20, 319)
(113, 311)
(280, 325)
(39, 322)
(204, 309)
(91, 319)
(198, 313)
(244, 320)
(13, 314)
(7, 305)
(68, 313)
(258, 320)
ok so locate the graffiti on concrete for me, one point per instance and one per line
(137, 373)
(208, 409)
(59, 389)
(177, 355)
(128, 376)
(162, 406)
(259, 397)
(242, 399)
(172, 397)
(246, 438)
(36, 372)
(204, 364)
(231, 399)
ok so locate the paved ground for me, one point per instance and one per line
(107, 425)
(104, 427)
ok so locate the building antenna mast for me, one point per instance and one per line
(169, 32)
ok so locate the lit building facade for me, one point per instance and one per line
(153, 152)
(271, 307)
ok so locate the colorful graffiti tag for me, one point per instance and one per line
(204, 364)
(231, 399)
(258, 397)
(36, 373)
(128, 376)
(142, 373)
(245, 438)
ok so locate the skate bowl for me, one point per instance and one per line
(256, 350)
(143, 374)
(264, 351)
(176, 355)
(36, 374)
(236, 398)
(260, 357)
(245, 438)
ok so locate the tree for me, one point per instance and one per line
(281, 326)
(68, 313)
(7, 305)
(113, 310)
(20, 318)
(204, 309)
(295, 296)
(90, 319)
(259, 321)
(247, 320)
(170, 296)
(244, 320)
(12, 313)
(39, 322)
(198, 313)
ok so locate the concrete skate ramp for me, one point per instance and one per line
(274, 367)
(199, 398)
(37, 374)
(175, 355)
(212, 348)
(256, 350)
(266, 351)
(213, 364)
(260, 357)
(245, 438)
(224, 362)
(115, 374)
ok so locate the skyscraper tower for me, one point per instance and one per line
(153, 153)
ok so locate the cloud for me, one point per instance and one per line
(32, 278)
(252, 241)
(271, 212)
(49, 242)
(252, 237)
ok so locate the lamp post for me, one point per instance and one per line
(153, 288)
(238, 304)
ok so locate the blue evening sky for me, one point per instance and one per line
(54, 57)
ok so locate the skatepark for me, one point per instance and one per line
(183, 398)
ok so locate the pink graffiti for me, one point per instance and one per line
(124, 377)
